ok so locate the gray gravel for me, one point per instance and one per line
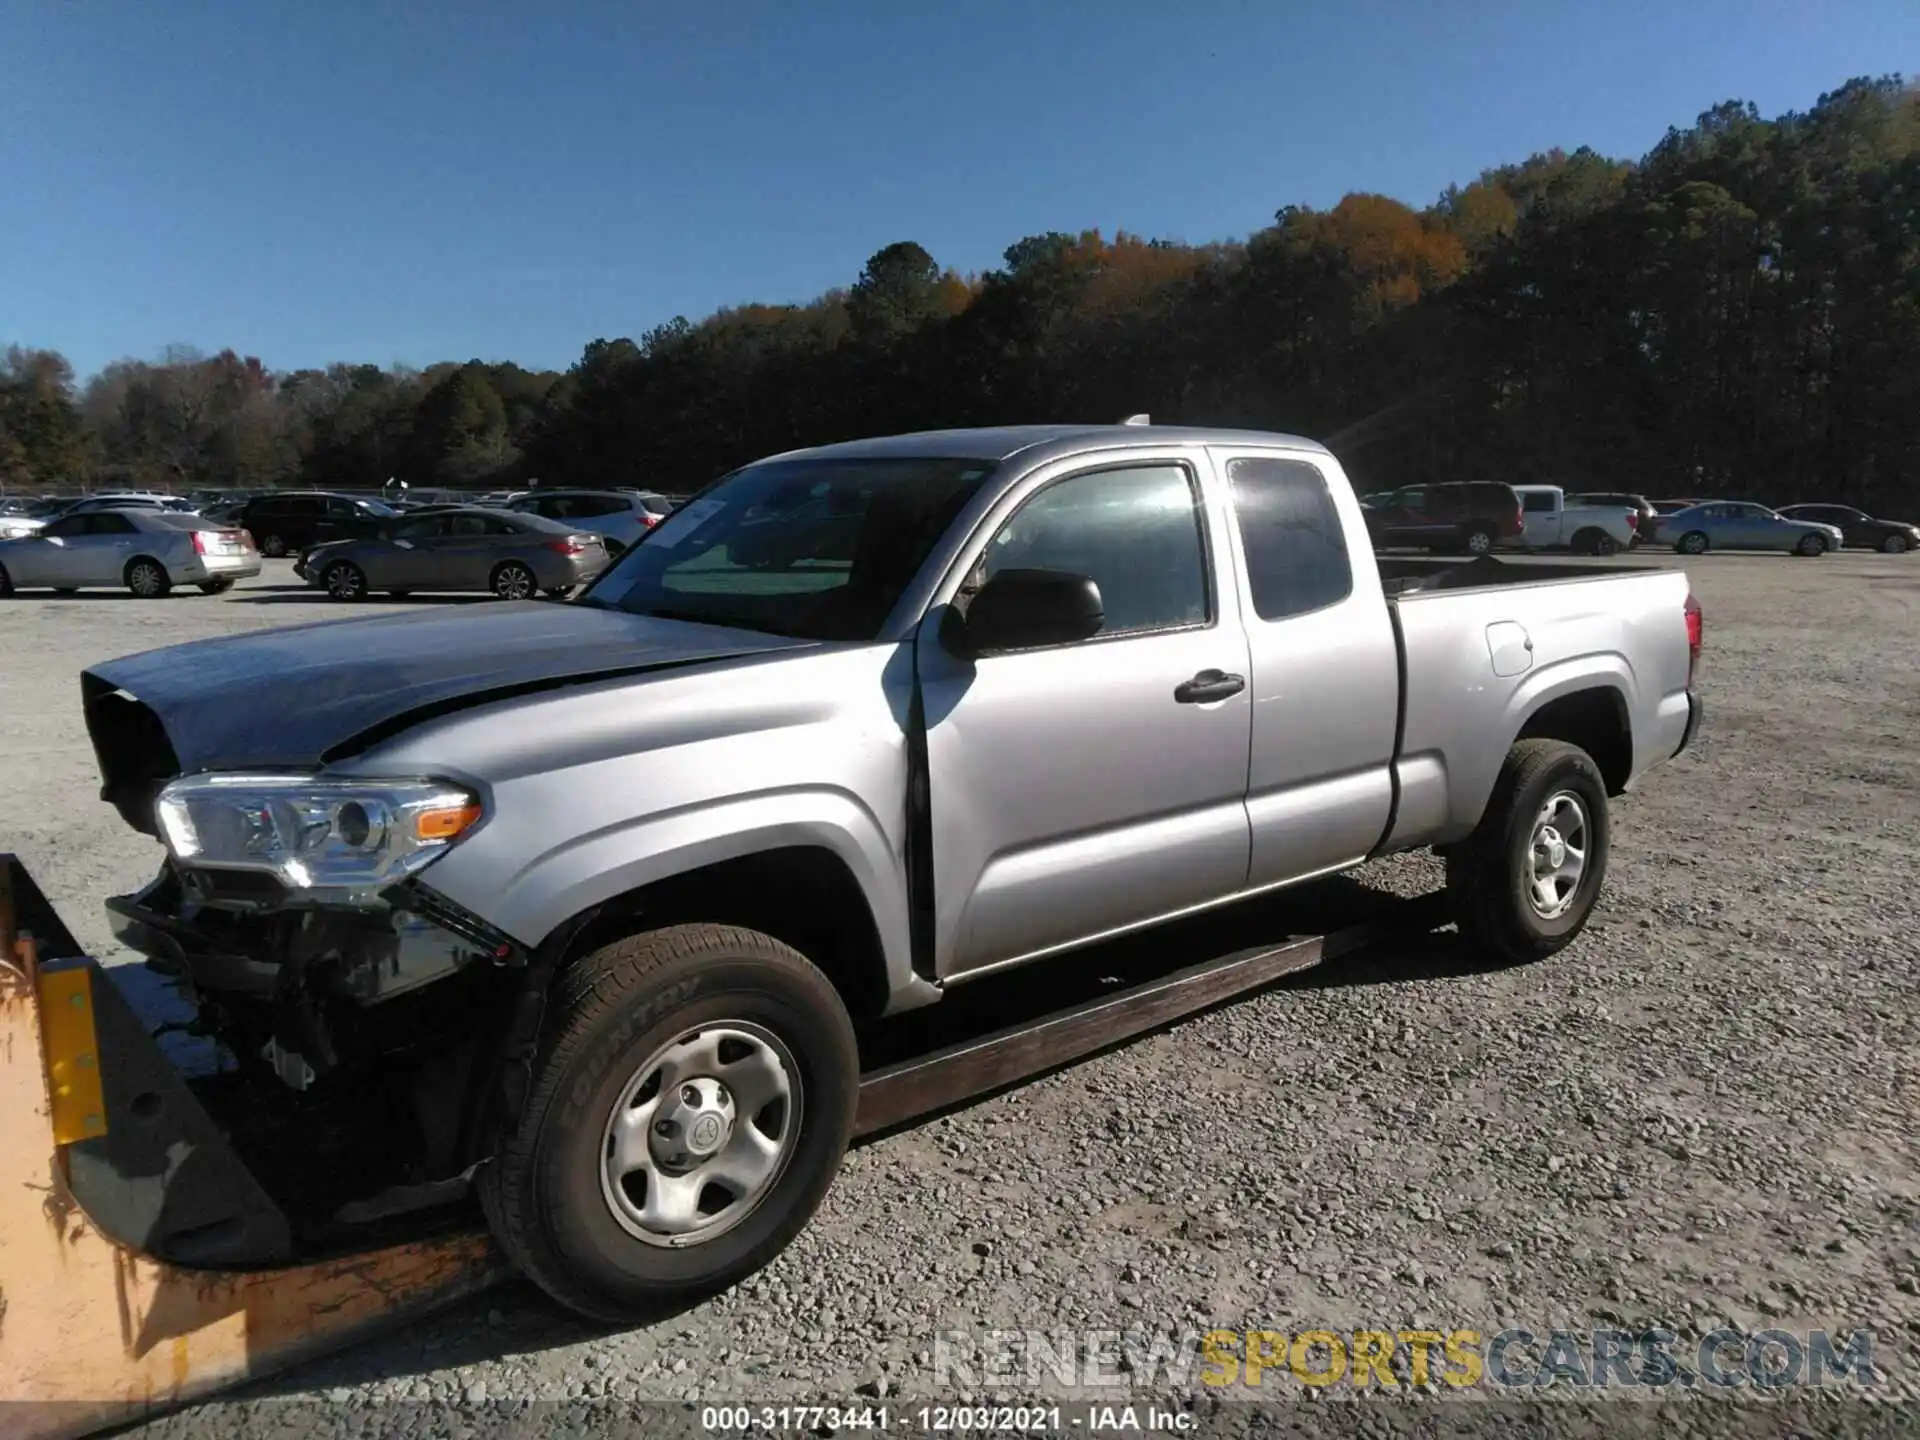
(1698, 1115)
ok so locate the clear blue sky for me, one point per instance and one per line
(380, 181)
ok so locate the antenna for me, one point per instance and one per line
(1137, 420)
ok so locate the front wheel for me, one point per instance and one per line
(1694, 542)
(1812, 545)
(1894, 545)
(345, 580)
(1525, 882)
(687, 1115)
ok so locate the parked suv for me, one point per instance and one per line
(1465, 517)
(295, 520)
(620, 517)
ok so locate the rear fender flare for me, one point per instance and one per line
(1473, 783)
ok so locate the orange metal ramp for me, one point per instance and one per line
(94, 1334)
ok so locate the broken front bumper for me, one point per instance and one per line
(108, 1163)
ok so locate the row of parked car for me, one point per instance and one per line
(519, 545)
(1477, 518)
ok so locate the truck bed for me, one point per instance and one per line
(1486, 643)
(1411, 575)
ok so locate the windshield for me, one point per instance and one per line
(817, 549)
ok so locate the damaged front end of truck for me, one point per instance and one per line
(357, 1016)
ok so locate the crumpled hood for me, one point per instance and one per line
(300, 695)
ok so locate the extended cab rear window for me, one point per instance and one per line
(1296, 549)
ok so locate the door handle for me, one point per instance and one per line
(1209, 685)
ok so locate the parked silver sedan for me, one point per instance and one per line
(1743, 525)
(515, 556)
(145, 551)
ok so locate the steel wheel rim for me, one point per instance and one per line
(144, 580)
(1557, 854)
(344, 583)
(514, 582)
(710, 1120)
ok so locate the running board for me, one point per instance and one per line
(973, 1069)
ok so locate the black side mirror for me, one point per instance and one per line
(1026, 609)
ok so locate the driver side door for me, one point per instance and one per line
(1084, 788)
(46, 557)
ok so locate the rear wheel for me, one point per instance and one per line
(148, 578)
(689, 1110)
(274, 546)
(1605, 544)
(216, 587)
(1694, 542)
(1812, 545)
(1524, 883)
(1894, 545)
(345, 580)
(513, 581)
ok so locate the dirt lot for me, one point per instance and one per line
(1701, 1113)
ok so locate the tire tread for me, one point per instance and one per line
(1477, 878)
(585, 992)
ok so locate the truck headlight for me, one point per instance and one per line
(313, 834)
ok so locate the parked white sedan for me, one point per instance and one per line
(145, 551)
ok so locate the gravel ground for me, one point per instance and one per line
(1700, 1114)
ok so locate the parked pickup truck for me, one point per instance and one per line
(1548, 522)
(596, 892)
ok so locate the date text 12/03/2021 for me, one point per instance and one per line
(1092, 1419)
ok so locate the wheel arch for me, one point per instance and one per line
(814, 869)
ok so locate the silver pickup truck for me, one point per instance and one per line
(595, 893)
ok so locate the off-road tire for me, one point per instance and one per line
(1486, 872)
(607, 1012)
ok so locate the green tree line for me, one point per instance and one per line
(1736, 312)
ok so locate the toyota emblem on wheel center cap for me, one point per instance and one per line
(704, 1133)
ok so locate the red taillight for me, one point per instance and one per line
(568, 546)
(1695, 636)
(649, 519)
(199, 542)
(1633, 520)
